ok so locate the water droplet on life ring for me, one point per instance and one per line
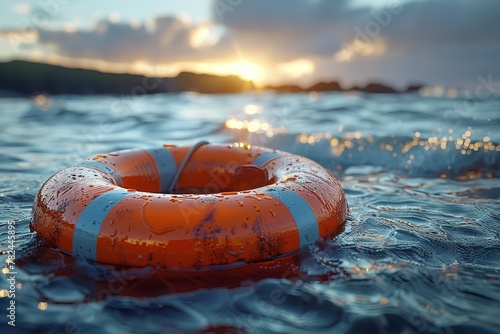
(155, 222)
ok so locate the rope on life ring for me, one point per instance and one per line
(184, 163)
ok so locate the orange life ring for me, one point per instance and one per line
(230, 203)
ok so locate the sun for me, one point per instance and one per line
(247, 71)
(242, 68)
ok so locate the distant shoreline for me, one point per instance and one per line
(28, 78)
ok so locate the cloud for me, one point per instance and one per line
(164, 39)
(288, 29)
(434, 41)
(445, 41)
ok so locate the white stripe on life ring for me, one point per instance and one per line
(89, 223)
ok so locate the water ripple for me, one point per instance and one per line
(419, 251)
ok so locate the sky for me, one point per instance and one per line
(397, 42)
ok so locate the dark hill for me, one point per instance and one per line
(31, 78)
(28, 78)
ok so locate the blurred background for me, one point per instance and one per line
(354, 42)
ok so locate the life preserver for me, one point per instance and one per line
(188, 206)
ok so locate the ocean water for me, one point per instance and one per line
(419, 252)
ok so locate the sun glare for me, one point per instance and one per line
(296, 68)
(244, 69)
(203, 36)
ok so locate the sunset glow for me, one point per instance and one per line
(297, 68)
(357, 48)
(203, 37)
(353, 42)
(242, 68)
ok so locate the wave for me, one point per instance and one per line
(431, 157)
